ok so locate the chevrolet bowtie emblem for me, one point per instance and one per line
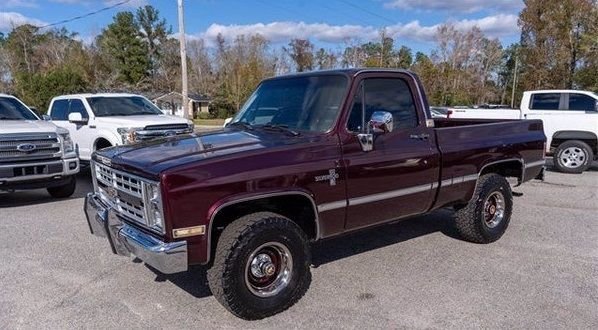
(331, 176)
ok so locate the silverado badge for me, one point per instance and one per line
(331, 176)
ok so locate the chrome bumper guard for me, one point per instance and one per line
(126, 240)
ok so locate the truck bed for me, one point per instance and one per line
(467, 146)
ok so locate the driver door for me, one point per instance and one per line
(398, 177)
(80, 133)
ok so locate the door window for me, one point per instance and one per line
(78, 107)
(383, 94)
(581, 102)
(545, 101)
(59, 110)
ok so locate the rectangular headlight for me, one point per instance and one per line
(153, 206)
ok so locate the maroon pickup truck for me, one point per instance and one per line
(310, 156)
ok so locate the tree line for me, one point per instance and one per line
(136, 52)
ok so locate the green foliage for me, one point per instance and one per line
(558, 48)
(38, 89)
(559, 41)
(128, 53)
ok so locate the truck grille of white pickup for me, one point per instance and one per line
(125, 192)
(26, 147)
(156, 131)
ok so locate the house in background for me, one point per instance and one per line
(171, 104)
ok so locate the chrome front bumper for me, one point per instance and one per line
(126, 240)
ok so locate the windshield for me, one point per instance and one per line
(309, 103)
(12, 109)
(122, 106)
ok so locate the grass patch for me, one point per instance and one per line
(208, 122)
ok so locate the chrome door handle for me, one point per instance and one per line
(422, 136)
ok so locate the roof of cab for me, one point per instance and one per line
(85, 95)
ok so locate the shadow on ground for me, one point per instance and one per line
(195, 281)
(41, 196)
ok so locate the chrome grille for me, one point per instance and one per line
(156, 131)
(39, 146)
(123, 191)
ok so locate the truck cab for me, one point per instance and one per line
(34, 153)
(98, 121)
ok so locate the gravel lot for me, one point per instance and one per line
(542, 274)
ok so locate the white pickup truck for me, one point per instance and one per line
(98, 121)
(34, 153)
(570, 120)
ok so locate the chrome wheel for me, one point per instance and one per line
(572, 157)
(494, 209)
(269, 269)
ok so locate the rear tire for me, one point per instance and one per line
(261, 266)
(486, 217)
(65, 190)
(573, 156)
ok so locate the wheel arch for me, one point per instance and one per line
(299, 206)
(589, 138)
(102, 140)
(511, 167)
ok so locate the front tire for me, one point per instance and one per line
(486, 217)
(573, 156)
(65, 190)
(261, 266)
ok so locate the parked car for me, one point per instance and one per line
(570, 120)
(344, 150)
(98, 121)
(34, 153)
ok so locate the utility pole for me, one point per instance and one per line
(185, 104)
(514, 81)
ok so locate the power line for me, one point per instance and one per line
(368, 11)
(85, 15)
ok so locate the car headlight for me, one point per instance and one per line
(67, 144)
(153, 202)
(191, 127)
(127, 134)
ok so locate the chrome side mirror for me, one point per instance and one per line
(76, 118)
(46, 118)
(381, 122)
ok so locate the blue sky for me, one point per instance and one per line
(330, 23)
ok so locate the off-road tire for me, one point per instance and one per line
(65, 190)
(238, 240)
(470, 220)
(587, 150)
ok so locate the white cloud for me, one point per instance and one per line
(132, 3)
(493, 26)
(468, 6)
(283, 31)
(8, 20)
(18, 3)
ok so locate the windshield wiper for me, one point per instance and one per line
(10, 118)
(243, 124)
(280, 128)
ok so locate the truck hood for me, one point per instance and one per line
(26, 126)
(152, 157)
(141, 120)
